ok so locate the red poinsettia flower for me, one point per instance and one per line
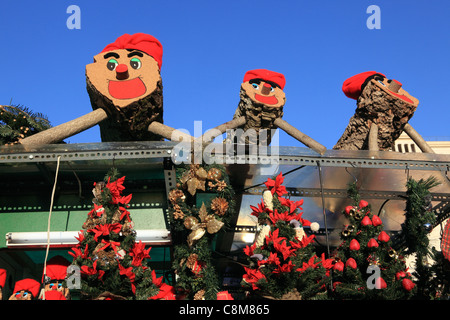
(139, 253)
(128, 272)
(80, 237)
(105, 230)
(306, 265)
(303, 242)
(284, 216)
(272, 259)
(166, 292)
(125, 213)
(252, 276)
(92, 271)
(292, 205)
(248, 250)
(285, 250)
(256, 211)
(284, 268)
(112, 244)
(116, 189)
(275, 186)
(78, 253)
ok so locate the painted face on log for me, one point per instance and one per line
(265, 92)
(124, 76)
(21, 295)
(394, 88)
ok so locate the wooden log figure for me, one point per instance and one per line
(26, 289)
(125, 88)
(382, 114)
(2, 282)
(261, 101)
(125, 81)
(54, 282)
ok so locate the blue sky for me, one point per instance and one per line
(209, 45)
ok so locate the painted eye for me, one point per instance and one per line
(51, 285)
(272, 89)
(255, 85)
(381, 82)
(59, 285)
(112, 64)
(135, 63)
(25, 294)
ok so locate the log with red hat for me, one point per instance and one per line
(382, 114)
(125, 89)
(260, 111)
(53, 278)
(26, 289)
(3, 274)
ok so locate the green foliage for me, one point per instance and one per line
(365, 250)
(191, 210)
(18, 122)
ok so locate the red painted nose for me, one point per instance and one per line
(266, 88)
(122, 72)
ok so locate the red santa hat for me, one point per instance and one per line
(353, 86)
(2, 277)
(138, 41)
(30, 285)
(266, 75)
(57, 268)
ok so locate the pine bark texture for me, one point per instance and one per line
(258, 116)
(388, 112)
(131, 122)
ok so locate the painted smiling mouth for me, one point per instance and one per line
(266, 99)
(126, 89)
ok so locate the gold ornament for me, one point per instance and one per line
(214, 174)
(194, 179)
(208, 223)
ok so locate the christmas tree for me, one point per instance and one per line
(413, 238)
(282, 261)
(200, 206)
(18, 122)
(366, 266)
(111, 262)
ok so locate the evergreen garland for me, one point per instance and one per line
(18, 122)
(201, 205)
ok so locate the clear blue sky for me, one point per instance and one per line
(209, 45)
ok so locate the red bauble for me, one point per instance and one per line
(351, 263)
(383, 237)
(348, 209)
(363, 204)
(372, 243)
(354, 245)
(376, 221)
(380, 283)
(407, 284)
(339, 266)
(366, 221)
(400, 274)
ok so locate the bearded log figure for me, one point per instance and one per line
(2, 282)
(125, 81)
(261, 102)
(56, 273)
(382, 104)
(26, 289)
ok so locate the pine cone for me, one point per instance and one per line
(219, 206)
